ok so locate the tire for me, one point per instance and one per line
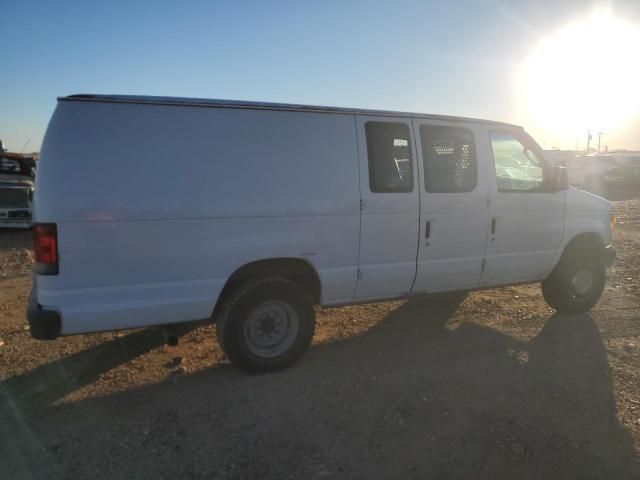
(577, 282)
(266, 325)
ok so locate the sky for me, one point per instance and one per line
(457, 58)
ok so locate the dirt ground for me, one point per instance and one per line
(491, 385)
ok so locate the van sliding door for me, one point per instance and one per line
(389, 207)
(453, 206)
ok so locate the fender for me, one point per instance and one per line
(585, 213)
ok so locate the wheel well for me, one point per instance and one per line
(585, 240)
(294, 269)
(587, 243)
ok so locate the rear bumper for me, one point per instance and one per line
(21, 225)
(15, 217)
(43, 324)
(609, 255)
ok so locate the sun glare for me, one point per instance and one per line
(586, 75)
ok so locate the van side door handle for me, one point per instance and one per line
(427, 229)
(493, 225)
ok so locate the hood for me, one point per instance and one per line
(579, 200)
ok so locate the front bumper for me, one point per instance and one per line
(43, 324)
(609, 255)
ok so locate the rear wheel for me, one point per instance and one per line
(266, 325)
(577, 282)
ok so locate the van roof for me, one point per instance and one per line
(205, 102)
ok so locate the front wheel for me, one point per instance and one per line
(266, 325)
(576, 283)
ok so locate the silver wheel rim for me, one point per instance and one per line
(271, 329)
(582, 281)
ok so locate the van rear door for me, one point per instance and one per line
(389, 207)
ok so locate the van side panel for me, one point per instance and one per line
(157, 206)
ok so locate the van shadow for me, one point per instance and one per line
(40, 388)
(411, 398)
(31, 397)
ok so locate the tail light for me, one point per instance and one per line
(45, 245)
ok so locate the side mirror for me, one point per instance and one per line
(560, 178)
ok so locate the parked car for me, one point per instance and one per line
(16, 190)
(154, 210)
(603, 173)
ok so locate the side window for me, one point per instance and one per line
(449, 158)
(518, 168)
(389, 152)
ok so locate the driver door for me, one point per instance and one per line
(526, 222)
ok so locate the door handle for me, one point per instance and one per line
(493, 225)
(427, 230)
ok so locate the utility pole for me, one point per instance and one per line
(599, 137)
(588, 140)
(25, 145)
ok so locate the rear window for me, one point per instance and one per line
(390, 160)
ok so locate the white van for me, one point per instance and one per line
(154, 211)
